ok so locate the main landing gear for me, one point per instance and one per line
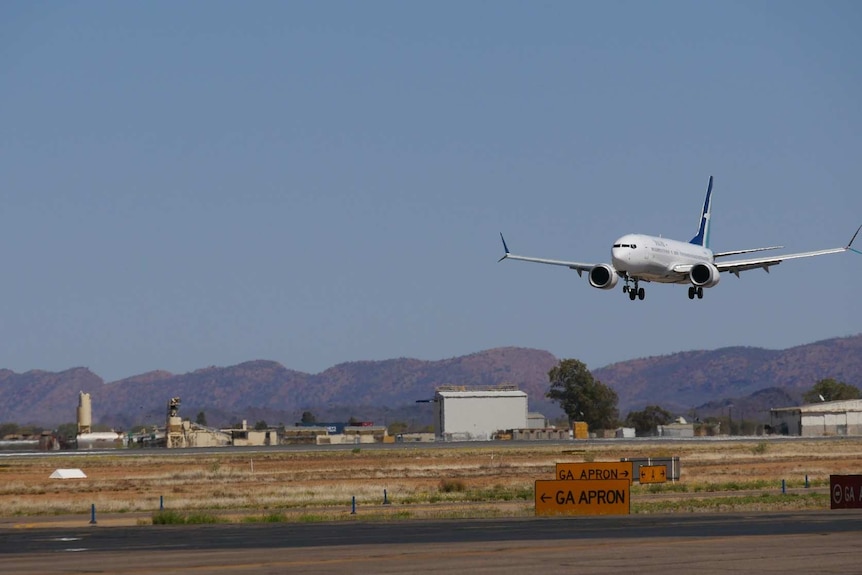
(695, 291)
(634, 292)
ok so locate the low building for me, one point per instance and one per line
(536, 420)
(818, 419)
(245, 437)
(676, 430)
(356, 434)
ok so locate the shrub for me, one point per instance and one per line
(452, 486)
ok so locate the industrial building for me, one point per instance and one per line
(818, 419)
(462, 414)
(183, 433)
(86, 437)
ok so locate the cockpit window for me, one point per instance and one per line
(633, 246)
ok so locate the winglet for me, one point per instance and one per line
(702, 237)
(849, 245)
(506, 248)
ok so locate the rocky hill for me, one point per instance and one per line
(687, 380)
(384, 391)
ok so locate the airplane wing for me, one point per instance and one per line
(737, 266)
(748, 251)
(577, 266)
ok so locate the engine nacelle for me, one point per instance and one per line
(704, 275)
(604, 276)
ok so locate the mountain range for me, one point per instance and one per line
(749, 379)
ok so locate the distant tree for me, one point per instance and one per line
(562, 421)
(67, 430)
(581, 396)
(16, 429)
(397, 427)
(201, 418)
(831, 390)
(261, 425)
(9, 429)
(308, 417)
(353, 421)
(645, 422)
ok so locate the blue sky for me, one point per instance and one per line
(205, 183)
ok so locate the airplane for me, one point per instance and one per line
(641, 258)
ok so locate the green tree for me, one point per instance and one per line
(645, 422)
(831, 390)
(582, 397)
(9, 429)
(67, 430)
(201, 418)
(397, 427)
(308, 417)
(261, 425)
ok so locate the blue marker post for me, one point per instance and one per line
(783, 487)
(807, 485)
(92, 514)
(385, 498)
(161, 502)
(354, 506)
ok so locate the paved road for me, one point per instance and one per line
(801, 542)
(571, 444)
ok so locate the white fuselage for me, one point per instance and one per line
(653, 259)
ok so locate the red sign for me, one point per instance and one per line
(845, 491)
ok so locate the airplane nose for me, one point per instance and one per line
(619, 258)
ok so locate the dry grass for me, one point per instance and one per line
(491, 479)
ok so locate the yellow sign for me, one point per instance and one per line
(595, 470)
(609, 497)
(653, 474)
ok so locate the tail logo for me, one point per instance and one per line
(702, 237)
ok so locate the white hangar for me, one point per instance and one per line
(462, 414)
(819, 419)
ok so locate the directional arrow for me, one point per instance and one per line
(653, 474)
(545, 497)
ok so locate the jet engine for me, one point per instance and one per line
(604, 276)
(704, 275)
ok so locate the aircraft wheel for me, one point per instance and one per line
(641, 293)
(632, 295)
(700, 293)
(691, 292)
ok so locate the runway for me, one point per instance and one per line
(799, 542)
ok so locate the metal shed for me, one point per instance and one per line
(473, 414)
(819, 419)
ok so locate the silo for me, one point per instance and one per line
(174, 433)
(85, 413)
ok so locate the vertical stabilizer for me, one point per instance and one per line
(702, 237)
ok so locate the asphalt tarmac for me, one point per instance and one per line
(798, 542)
